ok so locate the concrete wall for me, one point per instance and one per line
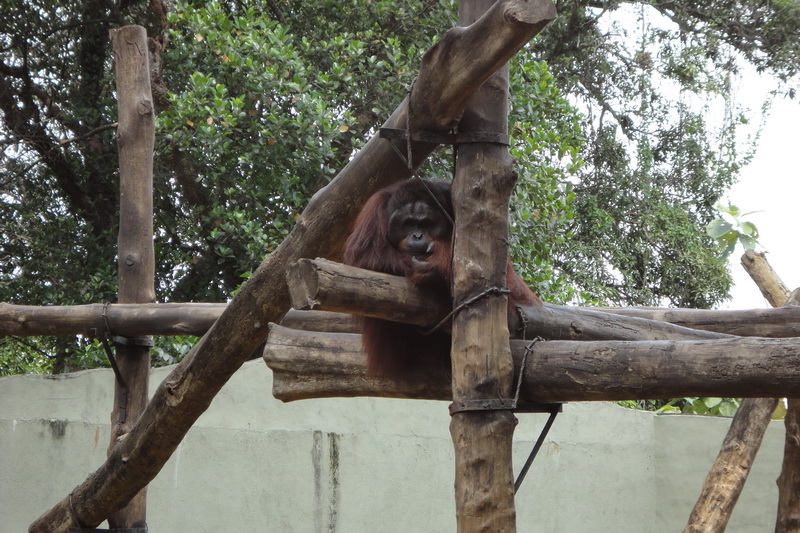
(252, 463)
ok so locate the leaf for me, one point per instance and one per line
(748, 243)
(729, 407)
(748, 228)
(711, 402)
(717, 228)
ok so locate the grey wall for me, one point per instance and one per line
(252, 463)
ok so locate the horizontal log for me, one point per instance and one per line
(320, 365)
(320, 321)
(777, 322)
(329, 286)
(138, 320)
(552, 321)
(100, 320)
(782, 322)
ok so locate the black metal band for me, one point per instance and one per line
(132, 341)
(481, 405)
(117, 530)
(435, 137)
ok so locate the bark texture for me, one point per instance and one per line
(313, 364)
(135, 250)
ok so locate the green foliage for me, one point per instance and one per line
(654, 166)
(547, 144)
(732, 229)
(261, 103)
(702, 406)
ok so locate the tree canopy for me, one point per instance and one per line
(621, 154)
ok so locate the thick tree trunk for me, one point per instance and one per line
(311, 364)
(727, 476)
(135, 139)
(186, 393)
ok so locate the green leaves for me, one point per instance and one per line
(619, 170)
(702, 406)
(731, 230)
(547, 141)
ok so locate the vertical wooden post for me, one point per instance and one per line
(788, 520)
(482, 364)
(136, 256)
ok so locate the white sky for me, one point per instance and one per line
(770, 185)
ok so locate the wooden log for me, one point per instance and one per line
(575, 323)
(135, 320)
(769, 283)
(778, 322)
(511, 23)
(320, 232)
(725, 480)
(308, 364)
(728, 474)
(482, 367)
(105, 320)
(135, 250)
(782, 322)
(341, 288)
(320, 321)
(325, 285)
(788, 520)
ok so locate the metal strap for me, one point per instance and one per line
(481, 405)
(132, 341)
(536, 448)
(436, 137)
(117, 530)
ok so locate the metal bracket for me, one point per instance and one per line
(118, 530)
(132, 341)
(435, 137)
(537, 446)
(481, 405)
(502, 405)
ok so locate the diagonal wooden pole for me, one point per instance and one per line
(726, 478)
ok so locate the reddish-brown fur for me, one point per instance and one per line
(393, 348)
